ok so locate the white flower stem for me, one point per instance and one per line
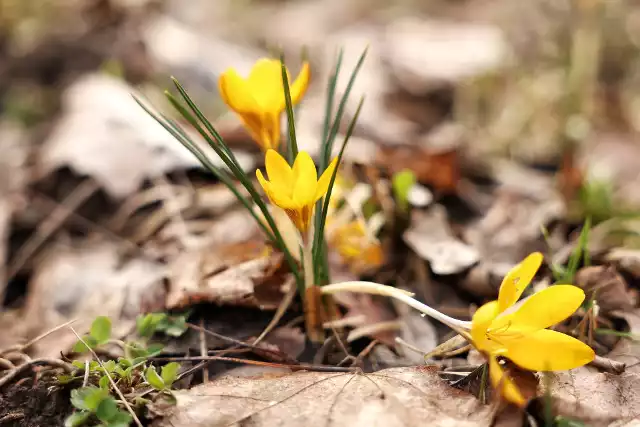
(307, 262)
(404, 296)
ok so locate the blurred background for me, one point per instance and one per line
(516, 117)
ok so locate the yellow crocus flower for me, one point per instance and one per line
(360, 251)
(519, 332)
(259, 99)
(297, 189)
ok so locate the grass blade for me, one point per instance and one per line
(318, 238)
(328, 144)
(328, 110)
(292, 148)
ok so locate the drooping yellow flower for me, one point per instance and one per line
(297, 189)
(259, 99)
(519, 332)
(358, 248)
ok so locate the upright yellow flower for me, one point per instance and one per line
(259, 99)
(297, 189)
(500, 328)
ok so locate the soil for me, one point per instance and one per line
(34, 404)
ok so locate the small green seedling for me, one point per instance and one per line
(402, 182)
(162, 382)
(99, 334)
(152, 323)
(96, 404)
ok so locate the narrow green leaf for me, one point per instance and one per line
(271, 231)
(154, 380)
(293, 142)
(154, 349)
(328, 110)
(77, 419)
(328, 145)
(319, 232)
(101, 329)
(107, 409)
(170, 373)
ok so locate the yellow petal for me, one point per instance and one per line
(265, 83)
(548, 350)
(236, 93)
(272, 130)
(305, 178)
(277, 197)
(299, 87)
(545, 308)
(325, 180)
(503, 383)
(279, 172)
(481, 320)
(517, 280)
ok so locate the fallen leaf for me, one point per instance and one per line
(438, 168)
(104, 133)
(441, 43)
(609, 287)
(240, 274)
(85, 281)
(627, 349)
(390, 398)
(431, 238)
(596, 398)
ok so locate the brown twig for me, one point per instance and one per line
(23, 347)
(18, 370)
(608, 365)
(113, 383)
(280, 311)
(300, 367)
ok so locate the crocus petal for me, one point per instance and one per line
(481, 320)
(548, 350)
(517, 280)
(305, 178)
(503, 383)
(277, 197)
(279, 172)
(325, 180)
(299, 87)
(236, 93)
(545, 308)
(272, 129)
(265, 83)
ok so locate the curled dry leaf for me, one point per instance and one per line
(431, 238)
(608, 286)
(390, 398)
(596, 398)
(243, 274)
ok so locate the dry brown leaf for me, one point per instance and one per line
(512, 228)
(438, 168)
(104, 133)
(83, 282)
(596, 398)
(238, 274)
(389, 398)
(430, 237)
(610, 289)
(365, 310)
(627, 350)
